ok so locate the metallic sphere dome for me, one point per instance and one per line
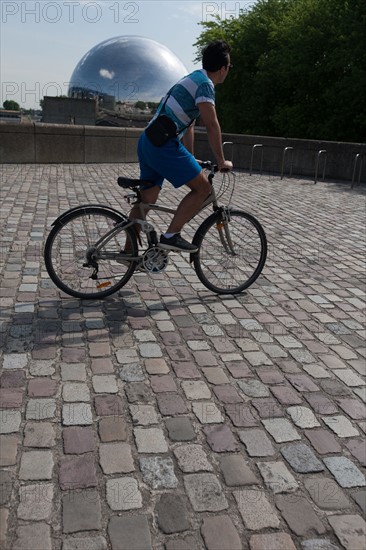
(128, 69)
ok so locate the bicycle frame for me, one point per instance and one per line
(144, 206)
(211, 199)
(149, 230)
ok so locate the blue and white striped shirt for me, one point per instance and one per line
(183, 98)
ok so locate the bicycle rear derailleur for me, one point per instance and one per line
(91, 262)
(155, 260)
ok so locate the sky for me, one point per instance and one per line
(42, 41)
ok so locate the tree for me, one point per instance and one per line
(299, 69)
(11, 105)
(140, 105)
(152, 106)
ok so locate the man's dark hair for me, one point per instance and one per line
(215, 55)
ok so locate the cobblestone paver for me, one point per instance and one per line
(167, 417)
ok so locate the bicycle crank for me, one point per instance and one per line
(155, 260)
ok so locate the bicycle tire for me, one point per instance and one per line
(223, 272)
(65, 253)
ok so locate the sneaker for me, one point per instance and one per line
(177, 243)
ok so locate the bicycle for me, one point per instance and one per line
(85, 251)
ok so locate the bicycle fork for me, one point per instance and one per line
(224, 232)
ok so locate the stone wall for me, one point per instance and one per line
(53, 144)
(58, 143)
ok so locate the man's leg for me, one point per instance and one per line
(149, 196)
(187, 209)
(200, 189)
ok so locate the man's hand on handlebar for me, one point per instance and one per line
(226, 166)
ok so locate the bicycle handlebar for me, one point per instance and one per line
(209, 165)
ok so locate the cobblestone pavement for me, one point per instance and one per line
(168, 417)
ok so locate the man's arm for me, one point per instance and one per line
(209, 119)
(188, 139)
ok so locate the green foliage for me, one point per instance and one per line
(299, 69)
(10, 105)
(140, 105)
(152, 105)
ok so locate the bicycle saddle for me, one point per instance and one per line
(129, 182)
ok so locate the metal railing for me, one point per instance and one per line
(317, 162)
(256, 146)
(232, 149)
(285, 151)
(358, 157)
(288, 162)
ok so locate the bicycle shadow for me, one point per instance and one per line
(54, 323)
(45, 326)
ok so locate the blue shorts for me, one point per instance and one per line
(172, 161)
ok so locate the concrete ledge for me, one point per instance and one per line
(17, 143)
(66, 144)
(59, 129)
(57, 143)
(132, 137)
(105, 144)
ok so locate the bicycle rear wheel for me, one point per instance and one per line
(232, 251)
(73, 264)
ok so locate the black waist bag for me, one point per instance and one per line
(161, 130)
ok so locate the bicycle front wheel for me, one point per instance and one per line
(232, 251)
(76, 267)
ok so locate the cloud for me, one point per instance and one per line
(193, 9)
(100, 2)
(107, 74)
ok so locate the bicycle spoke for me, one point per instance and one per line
(232, 253)
(72, 262)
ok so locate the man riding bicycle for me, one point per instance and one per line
(192, 97)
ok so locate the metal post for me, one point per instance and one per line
(358, 156)
(320, 153)
(232, 148)
(251, 160)
(283, 160)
